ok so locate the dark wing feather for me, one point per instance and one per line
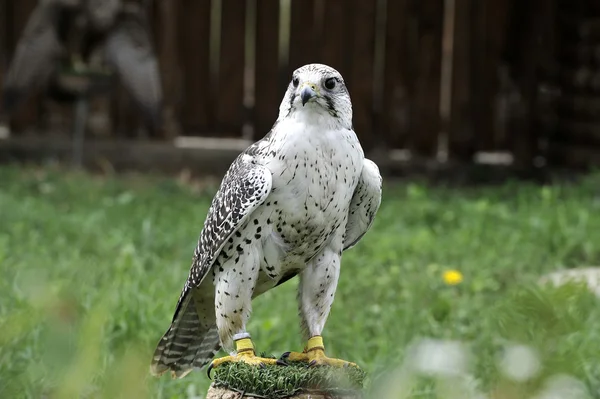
(364, 205)
(244, 188)
(36, 55)
(129, 51)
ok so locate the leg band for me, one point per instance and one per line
(244, 345)
(241, 335)
(315, 342)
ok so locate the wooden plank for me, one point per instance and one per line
(497, 88)
(27, 114)
(230, 85)
(267, 93)
(482, 105)
(166, 22)
(332, 33)
(396, 95)
(10, 32)
(203, 161)
(303, 32)
(461, 137)
(489, 24)
(528, 47)
(4, 28)
(359, 65)
(426, 93)
(194, 39)
(120, 155)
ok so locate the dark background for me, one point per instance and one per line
(455, 81)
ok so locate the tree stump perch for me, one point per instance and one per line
(295, 381)
(215, 392)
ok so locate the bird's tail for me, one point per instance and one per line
(187, 344)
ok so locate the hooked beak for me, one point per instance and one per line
(307, 93)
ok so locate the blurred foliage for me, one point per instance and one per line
(92, 268)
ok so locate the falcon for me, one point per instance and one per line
(289, 205)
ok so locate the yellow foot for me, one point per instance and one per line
(245, 354)
(314, 355)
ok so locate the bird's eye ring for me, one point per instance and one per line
(295, 82)
(330, 83)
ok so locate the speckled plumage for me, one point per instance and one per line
(289, 205)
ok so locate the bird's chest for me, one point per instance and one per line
(315, 166)
(313, 183)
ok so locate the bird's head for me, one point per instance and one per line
(317, 91)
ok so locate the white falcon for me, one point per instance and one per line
(289, 205)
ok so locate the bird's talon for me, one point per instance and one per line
(315, 358)
(281, 363)
(208, 370)
(250, 359)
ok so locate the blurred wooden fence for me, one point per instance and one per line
(448, 78)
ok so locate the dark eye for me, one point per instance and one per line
(295, 82)
(330, 83)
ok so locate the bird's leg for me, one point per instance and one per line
(234, 285)
(315, 294)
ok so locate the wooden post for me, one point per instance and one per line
(4, 26)
(194, 53)
(360, 63)
(331, 43)
(166, 24)
(461, 135)
(396, 96)
(27, 113)
(426, 122)
(229, 111)
(303, 34)
(528, 48)
(266, 89)
(224, 393)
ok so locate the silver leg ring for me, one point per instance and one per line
(239, 336)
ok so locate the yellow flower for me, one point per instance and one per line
(452, 277)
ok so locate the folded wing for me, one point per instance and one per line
(364, 205)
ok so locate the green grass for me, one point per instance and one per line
(91, 270)
(276, 382)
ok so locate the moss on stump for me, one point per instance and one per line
(239, 380)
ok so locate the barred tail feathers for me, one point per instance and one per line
(187, 344)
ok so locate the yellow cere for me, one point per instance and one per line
(452, 277)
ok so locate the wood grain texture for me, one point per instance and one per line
(229, 110)
(267, 91)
